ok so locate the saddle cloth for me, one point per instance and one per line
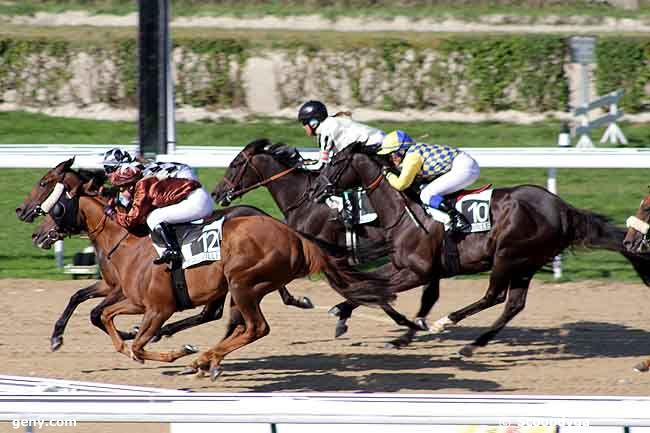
(199, 242)
(354, 206)
(474, 205)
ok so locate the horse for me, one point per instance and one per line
(530, 227)
(46, 234)
(278, 168)
(259, 255)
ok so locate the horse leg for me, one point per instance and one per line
(515, 303)
(430, 296)
(95, 290)
(123, 306)
(150, 325)
(211, 312)
(343, 311)
(253, 328)
(496, 294)
(113, 296)
(289, 299)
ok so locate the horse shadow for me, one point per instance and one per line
(323, 372)
(575, 340)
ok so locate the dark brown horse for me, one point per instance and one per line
(278, 168)
(259, 255)
(46, 234)
(530, 227)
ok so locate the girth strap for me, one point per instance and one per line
(179, 287)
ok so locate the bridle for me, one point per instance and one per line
(232, 193)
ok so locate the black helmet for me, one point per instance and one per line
(312, 110)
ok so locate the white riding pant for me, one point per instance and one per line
(198, 204)
(464, 172)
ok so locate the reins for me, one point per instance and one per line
(263, 182)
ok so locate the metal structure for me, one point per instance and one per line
(613, 133)
(155, 84)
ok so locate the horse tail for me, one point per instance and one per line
(592, 230)
(365, 288)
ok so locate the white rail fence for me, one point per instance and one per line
(90, 156)
(345, 412)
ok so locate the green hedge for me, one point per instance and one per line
(625, 63)
(453, 73)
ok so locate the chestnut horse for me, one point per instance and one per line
(259, 255)
(46, 234)
(636, 241)
(530, 227)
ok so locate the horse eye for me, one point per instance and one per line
(42, 184)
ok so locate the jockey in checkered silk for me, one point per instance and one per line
(444, 170)
(334, 133)
(158, 193)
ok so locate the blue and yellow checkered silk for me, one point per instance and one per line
(437, 159)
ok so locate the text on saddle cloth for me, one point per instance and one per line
(475, 207)
(199, 243)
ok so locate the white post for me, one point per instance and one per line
(58, 254)
(171, 100)
(551, 185)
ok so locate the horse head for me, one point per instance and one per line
(254, 166)
(354, 166)
(636, 239)
(47, 190)
(46, 234)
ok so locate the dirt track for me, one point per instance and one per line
(578, 338)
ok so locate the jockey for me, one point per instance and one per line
(446, 169)
(160, 202)
(334, 133)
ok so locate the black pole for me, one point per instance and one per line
(153, 55)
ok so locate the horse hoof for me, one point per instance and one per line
(441, 324)
(187, 371)
(215, 373)
(340, 330)
(397, 343)
(421, 324)
(467, 351)
(189, 349)
(56, 343)
(305, 303)
(641, 367)
(334, 311)
(135, 330)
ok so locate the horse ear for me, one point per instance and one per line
(91, 188)
(65, 165)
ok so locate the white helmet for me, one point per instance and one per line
(114, 157)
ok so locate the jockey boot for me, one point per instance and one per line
(173, 251)
(458, 221)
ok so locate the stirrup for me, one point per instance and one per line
(168, 256)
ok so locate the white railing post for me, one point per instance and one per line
(58, 254)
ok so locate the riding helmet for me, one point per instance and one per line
(395, 141)
(114, 157)
(312, 110)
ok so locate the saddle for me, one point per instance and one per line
(200, 241)
(474, 204)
